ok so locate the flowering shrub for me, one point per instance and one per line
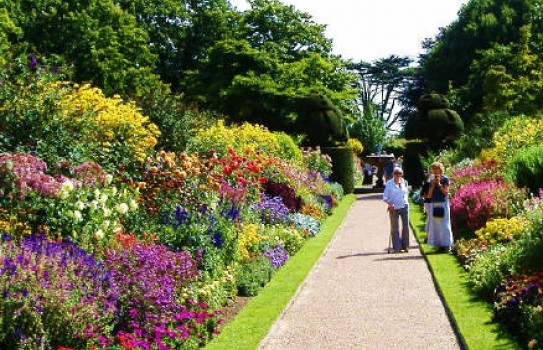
(287, 194)
(475, 172)
(22, 174)
(153, 278)
(248, 239)
(84, 207)
(59, 120)
(495, 231)
(53, 294)
(488, 270)
(306, 223)
(89, 216)
(502, 230)
(209, 234)
(277, 255)
(246, 137)
(473, 204)
(272, 210)
(110, 124)
(466, 250)
(519, 306)
(355, 145)
(508, 140)
(317, 161)
(289, 237)
(168, 179)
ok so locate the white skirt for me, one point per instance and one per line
(439, 229)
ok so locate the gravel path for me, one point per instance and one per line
(360, 297)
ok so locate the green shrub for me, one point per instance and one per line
(253, 275)
(488, 270)
(526, 168)
(395, 145)
(342, 167)
(412, 164)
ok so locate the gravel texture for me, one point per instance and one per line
(360, 297)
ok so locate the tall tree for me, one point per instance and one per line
(380, 85)
(275, 27)
(103, 42)
(459, 50)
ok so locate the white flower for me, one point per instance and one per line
(103, 198)
(65, 189)
(93, 205)
(106, 224)
(80, 205)
(114, 190)
(67, 186)
(77, 216)
(99, 234)
(109, 179)
(96, 193)
(107, 212)
(122, 208)
(133, 204)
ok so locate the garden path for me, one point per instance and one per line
(360, 297)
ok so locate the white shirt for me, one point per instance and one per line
(396, 193)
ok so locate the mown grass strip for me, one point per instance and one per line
(252, 323)
(472, 317)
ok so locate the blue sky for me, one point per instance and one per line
(368, 30)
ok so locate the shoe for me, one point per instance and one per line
(404, 250)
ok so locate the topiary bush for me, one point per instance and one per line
(320, 121)
(412, 164)
(435, 121)
(525, 169)
(342, 167)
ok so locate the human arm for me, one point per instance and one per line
(386, 197)
(438, 184)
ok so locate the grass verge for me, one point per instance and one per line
(252, 323)
(472, 317)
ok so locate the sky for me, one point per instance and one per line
(368, 29)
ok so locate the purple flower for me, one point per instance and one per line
(277, 255)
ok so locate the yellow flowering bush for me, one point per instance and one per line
(242, 138)
(58, 120)
(502, 229)
(355, 145)
(248, 239)
(515, 134)
(117, 129)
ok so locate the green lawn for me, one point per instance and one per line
(251, 325)
(471, 316)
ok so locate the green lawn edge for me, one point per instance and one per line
(253, 322)
(470, 317)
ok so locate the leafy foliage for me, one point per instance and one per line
(526, 168)
(434, 122)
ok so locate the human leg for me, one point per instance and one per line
(404, 213)
(395, 230)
